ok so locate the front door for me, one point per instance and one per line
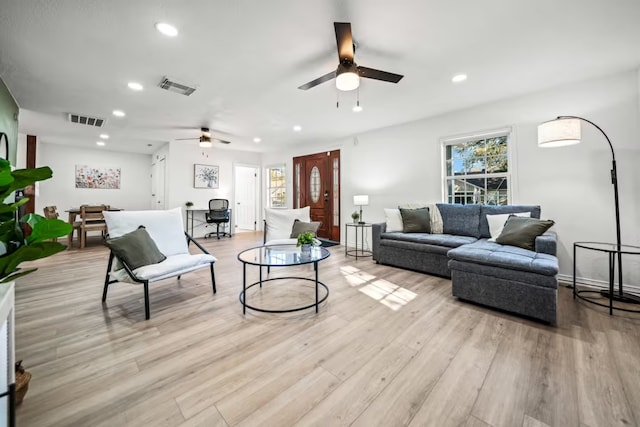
(316, 184)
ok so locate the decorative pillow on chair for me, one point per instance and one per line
(522, 232)
(300, 227)
(280, 221)
(416, 220)
(136, 248)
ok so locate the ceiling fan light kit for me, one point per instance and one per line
(348, 73)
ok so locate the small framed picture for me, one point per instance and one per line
(206, 176)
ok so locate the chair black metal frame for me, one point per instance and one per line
(147, 315)
(219, 213)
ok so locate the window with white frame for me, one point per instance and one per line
(477, 169)
(276, 187)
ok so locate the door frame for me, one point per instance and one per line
(155, 175)
(334, 199)
(258, 199)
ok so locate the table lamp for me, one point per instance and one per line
(565, 130)
(361, 200)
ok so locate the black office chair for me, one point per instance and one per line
(218, 214)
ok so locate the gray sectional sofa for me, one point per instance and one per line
(505, 277)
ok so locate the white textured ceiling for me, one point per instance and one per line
(247, 59)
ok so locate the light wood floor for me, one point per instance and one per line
(390, 347)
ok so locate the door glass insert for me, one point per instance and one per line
(314, 184)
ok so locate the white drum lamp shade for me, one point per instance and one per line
(559, 132)
(361, 200)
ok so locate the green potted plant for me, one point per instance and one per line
(355, 216)
(15, 248)
(306, 240)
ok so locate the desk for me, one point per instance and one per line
(189, 219)
(611, 294)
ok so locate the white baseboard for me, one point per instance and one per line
(567, 280)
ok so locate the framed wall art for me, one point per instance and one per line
(104, 178)
(206, 176)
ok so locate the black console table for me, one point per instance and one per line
(619, 295)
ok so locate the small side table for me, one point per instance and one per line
(619, 295)
(358, 251)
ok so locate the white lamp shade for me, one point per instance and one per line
(559, 132)
(347, 81)
(206, 144)
(361, 200)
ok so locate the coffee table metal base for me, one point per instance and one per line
(289, 310)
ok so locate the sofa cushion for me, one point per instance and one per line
(393, 219)
(497, 222)
(172, 266)
(461, 220)
(522, 232)
(510, 257)
(508, 209)
(446, 240)
(415, 220)
(435, 223)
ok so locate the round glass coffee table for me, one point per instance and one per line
(282, 256)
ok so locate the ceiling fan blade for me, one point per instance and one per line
(221, 141)
(318, 81)
(370, 73)
(185, 139)
(344, 40)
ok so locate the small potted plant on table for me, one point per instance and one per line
(306, 240)
(355, 216)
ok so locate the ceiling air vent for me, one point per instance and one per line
(172, 86)
(86, 120)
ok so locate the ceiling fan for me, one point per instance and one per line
(348, 73)
(205, 139)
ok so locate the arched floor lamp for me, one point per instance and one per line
(565, 130)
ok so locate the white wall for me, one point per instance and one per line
(402, 164)
(181, 160)
(135, 184)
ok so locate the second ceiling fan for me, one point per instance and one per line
(205, 138)
(348, 73)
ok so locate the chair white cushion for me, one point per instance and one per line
(282, 242)
(280, 221)
(393, 220)
(164, 227)
(174, 265)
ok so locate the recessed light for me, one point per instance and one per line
(459, 78)
(104, 136)
(119, 113)
(357, 108)
(100, 143)
(135, 86)
(257, 140)
(167, 29)
(297, 128)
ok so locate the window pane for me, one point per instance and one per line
(497, 164)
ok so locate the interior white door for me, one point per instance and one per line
(246, 197)
(158, 171)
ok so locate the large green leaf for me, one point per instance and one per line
(44, 228)
(38, 250)
(22, 178)
(16, 274)
(13, 206)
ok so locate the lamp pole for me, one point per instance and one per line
(614, 180)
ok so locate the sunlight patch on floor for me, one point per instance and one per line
(387, 293)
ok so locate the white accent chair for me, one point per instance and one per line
(166, 230)
(278, 224)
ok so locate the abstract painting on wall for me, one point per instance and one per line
(206, 176)
(105, 178)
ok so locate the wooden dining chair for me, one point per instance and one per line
(91, 219)
(51, 212)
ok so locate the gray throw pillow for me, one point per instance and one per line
(416, 220)
(522, 232)
(136, 248)
(300, 227)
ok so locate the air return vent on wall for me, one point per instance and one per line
(86, 120)
(173, 86)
